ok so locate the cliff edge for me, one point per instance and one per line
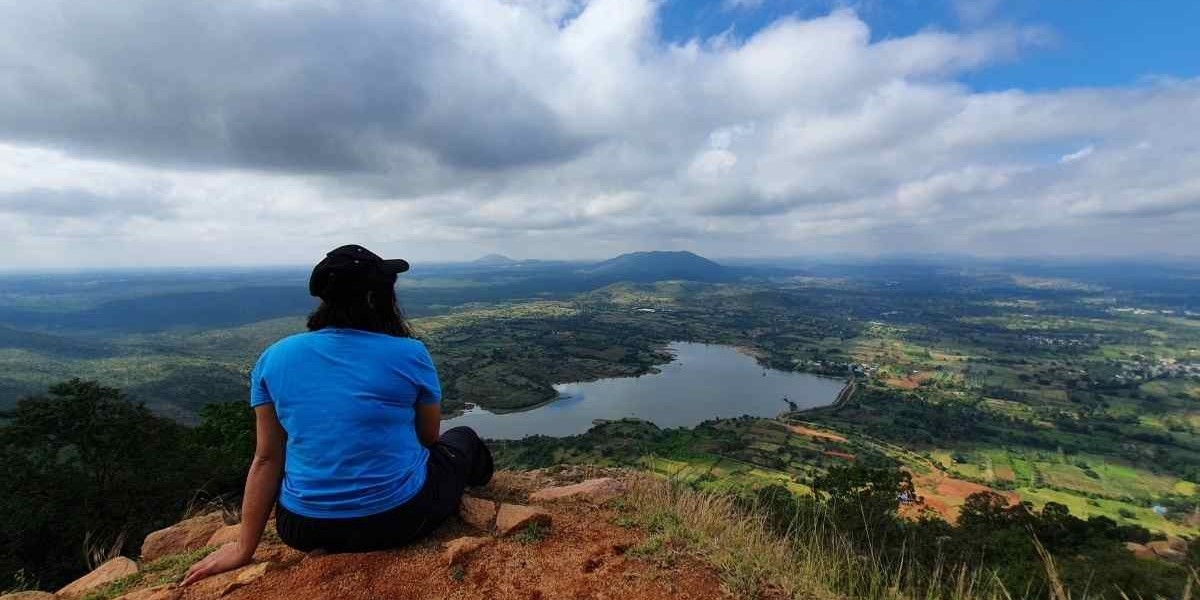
(564, 533)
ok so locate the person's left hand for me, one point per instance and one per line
(226, 558)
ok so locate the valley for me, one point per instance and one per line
(1055, 386)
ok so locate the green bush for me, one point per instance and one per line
(83, 463)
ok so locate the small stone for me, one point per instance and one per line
(596, 491)
(219, 585)
(104, 574)
(184, 536)
(224, 535)
(513, 517)
(30, 595)
(166, 591)
(458, 549)
(477, 512)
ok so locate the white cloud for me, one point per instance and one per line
(975, 11)
(1080, 154)
(173, 133)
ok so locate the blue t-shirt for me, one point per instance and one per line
(347, 400)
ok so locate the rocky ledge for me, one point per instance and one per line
(541, 534)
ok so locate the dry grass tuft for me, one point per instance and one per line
(751, 559)
(818, 563)
(203, 503)
(97, 551)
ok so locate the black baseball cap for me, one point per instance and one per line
(352, 269)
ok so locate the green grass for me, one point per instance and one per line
(532, 533)
(168, 569)
(666, 537)
(1086, 507)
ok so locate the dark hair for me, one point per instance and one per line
(375, 310)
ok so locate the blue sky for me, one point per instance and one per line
(1092, 43)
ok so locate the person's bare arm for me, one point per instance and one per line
(262, 486)
(429, 423)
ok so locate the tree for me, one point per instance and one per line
(83, 462)
(226, 434)
(864, 500)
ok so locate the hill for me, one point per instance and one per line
(494, 260)
(554, 536)
(576, 532)
(658, 265)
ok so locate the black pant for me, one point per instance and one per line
(458, 459)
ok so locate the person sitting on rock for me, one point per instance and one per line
(347, 418)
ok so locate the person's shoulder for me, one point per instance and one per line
(407, 343)
(296, 340)
(390, 347)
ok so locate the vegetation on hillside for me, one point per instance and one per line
(1075, 388)
(85, 468)
(847, 540)
(85, 473)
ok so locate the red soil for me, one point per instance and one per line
(842, 455)
(946, 495)
(911, 382)
(583, 556)
(813, 433)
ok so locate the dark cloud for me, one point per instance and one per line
(310, 88)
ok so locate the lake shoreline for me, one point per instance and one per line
(702, 382)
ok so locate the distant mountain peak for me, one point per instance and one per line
(661, 258)
(658, 265)
(494, 259)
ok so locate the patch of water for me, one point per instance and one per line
(704, 382)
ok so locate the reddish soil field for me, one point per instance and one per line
(814, 433)
(842, 455)
(945, 494)
(911, 382)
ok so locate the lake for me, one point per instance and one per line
(703, 382)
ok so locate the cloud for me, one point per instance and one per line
(44, 202)
(309, 87)
(974, 12)
(556, 128)
(1080, 154)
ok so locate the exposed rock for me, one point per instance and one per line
(596, 491)
(184, 536)
(478, 513)
(1140, 550)
(219, 585)
(166, 591)
(512, 517)
(278, 553)
(1177, 544)
(224, 535)
(1164, 551)
(458, 549)
(30, 595)
(106, 573)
